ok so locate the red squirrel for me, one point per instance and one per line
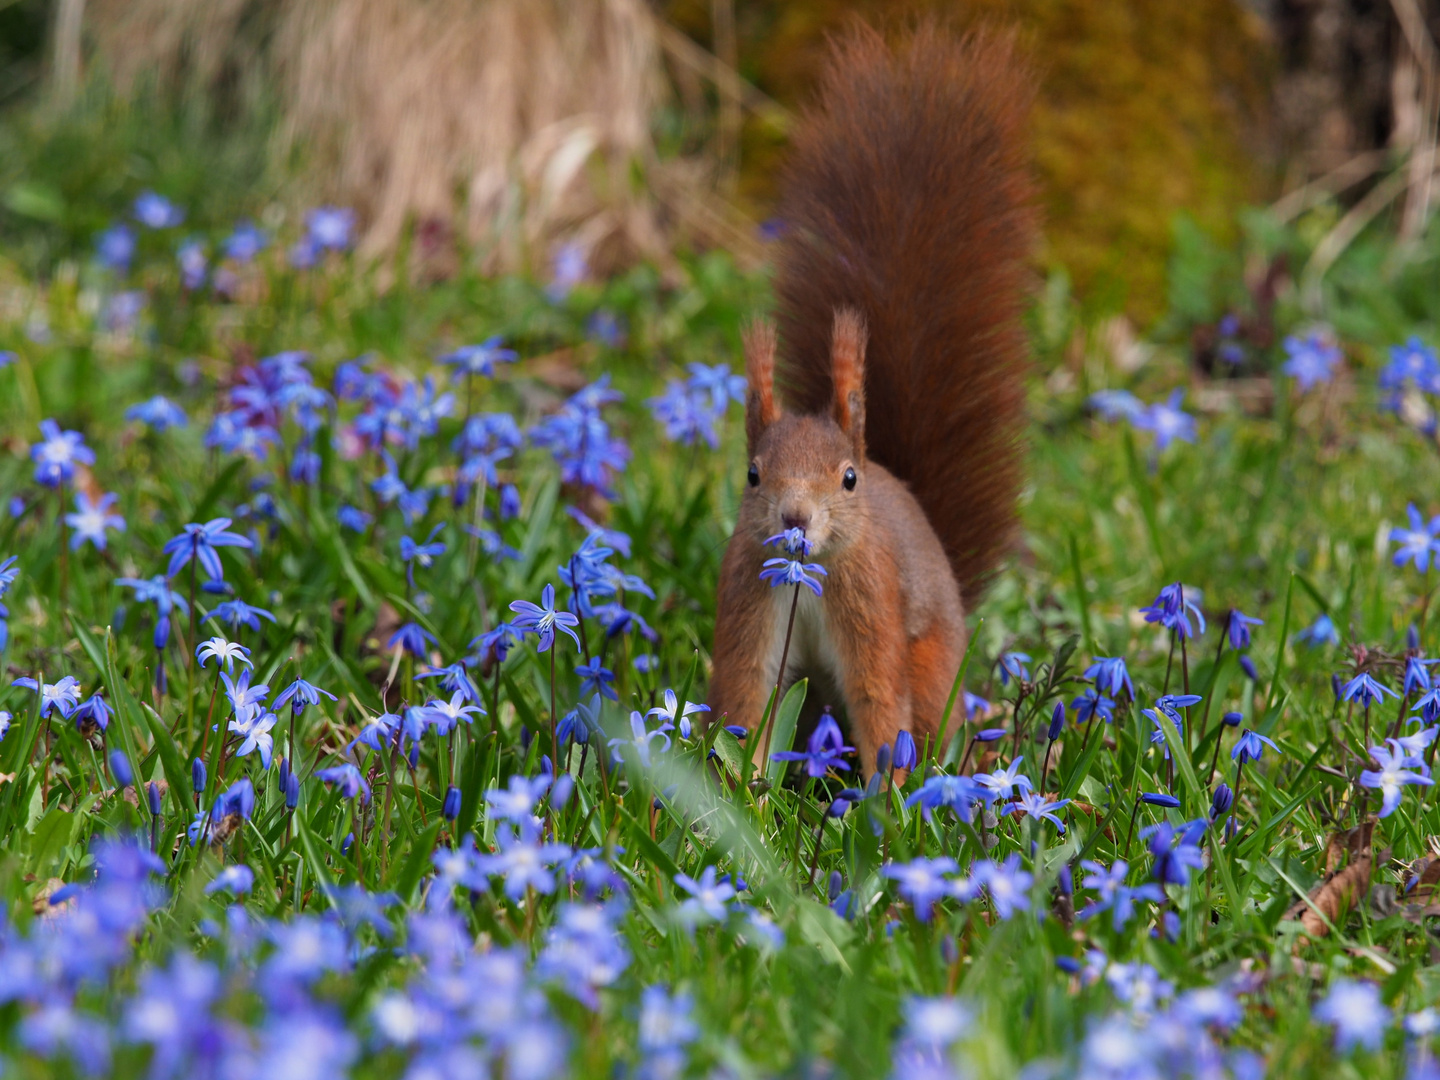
(900, 286)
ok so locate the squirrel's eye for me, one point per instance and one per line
(753, 475)
(849, 480)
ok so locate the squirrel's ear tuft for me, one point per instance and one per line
(847, 366)
(760, 408)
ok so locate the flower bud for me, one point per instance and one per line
(883, 758)
(152, 791)
(1233, 719)
(450, 809)
(284, 772)
(120, 769)
(524, 739)
(292, 791)
(905, 756)
(1066, 881)
(1248, 666)
(837, 883)
(1057, 721)
(1412, 637)
(198, 776)
(545, 766)
(562, 790)
(347, 843)
(990, 734)
(1337, 685)
(736, 730)
(949, 951)
(1221, 801)
(1068, 964)
(1156, 798)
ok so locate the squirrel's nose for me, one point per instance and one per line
(796, 521)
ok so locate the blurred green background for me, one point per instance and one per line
(492, 131)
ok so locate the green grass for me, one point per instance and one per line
(1282, 514)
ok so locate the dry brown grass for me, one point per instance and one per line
(520, 123)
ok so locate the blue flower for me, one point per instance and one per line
(1417, 675)
(1417, 543)
(640, 738)
(412, 638)
(157, 212)
(1091, 704)
(1321, 632)
(674, 714)
(158, 413)
(244, 243)
(1004, 783)
(157, 591)
(199, 542)
(666, 1025)
(244, 698)
(517, 802)
(95, 710)
(922, 881)
(1176, 854)
(1251, 747)
(480, 359)
(1311, 359)
(1012, 666)
(1115, 405)
(193, 264)
(115, 247)
(1172, 609)
(1037, 807)
(347, 779)
(236, 878)
(708, 898)
(522, 861)
(959, 793)
(91, 520)
(329, 228)
(61, 696)
(1237, 627)
(1393, 775)
(455, 678)
(301, 694)
(238, 613)
(57, 454)
(544, 619)
(1365, 689)
(422, 555)
(223, 652)
(1354, 1009)
(1167, 421)
(1115, 896)
(498, 640)
(353, 518)
(823, 750)
(376, 733)
(1007, 885)
(1111, 675)
(792, 572)
(1413, 363)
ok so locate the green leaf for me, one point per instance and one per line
(52, 832)
(783, 737)
(822, 928)
(35, 199)
(732, 757)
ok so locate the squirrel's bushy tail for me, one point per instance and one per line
(908, 197)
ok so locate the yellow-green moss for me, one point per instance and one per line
(1146, 108)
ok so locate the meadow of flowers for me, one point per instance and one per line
(352, 722)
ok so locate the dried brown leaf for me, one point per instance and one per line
(1332, 897)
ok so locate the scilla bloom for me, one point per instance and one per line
(1392, 776)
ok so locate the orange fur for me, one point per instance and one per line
(899, 287)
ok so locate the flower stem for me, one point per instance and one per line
(780, 677)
